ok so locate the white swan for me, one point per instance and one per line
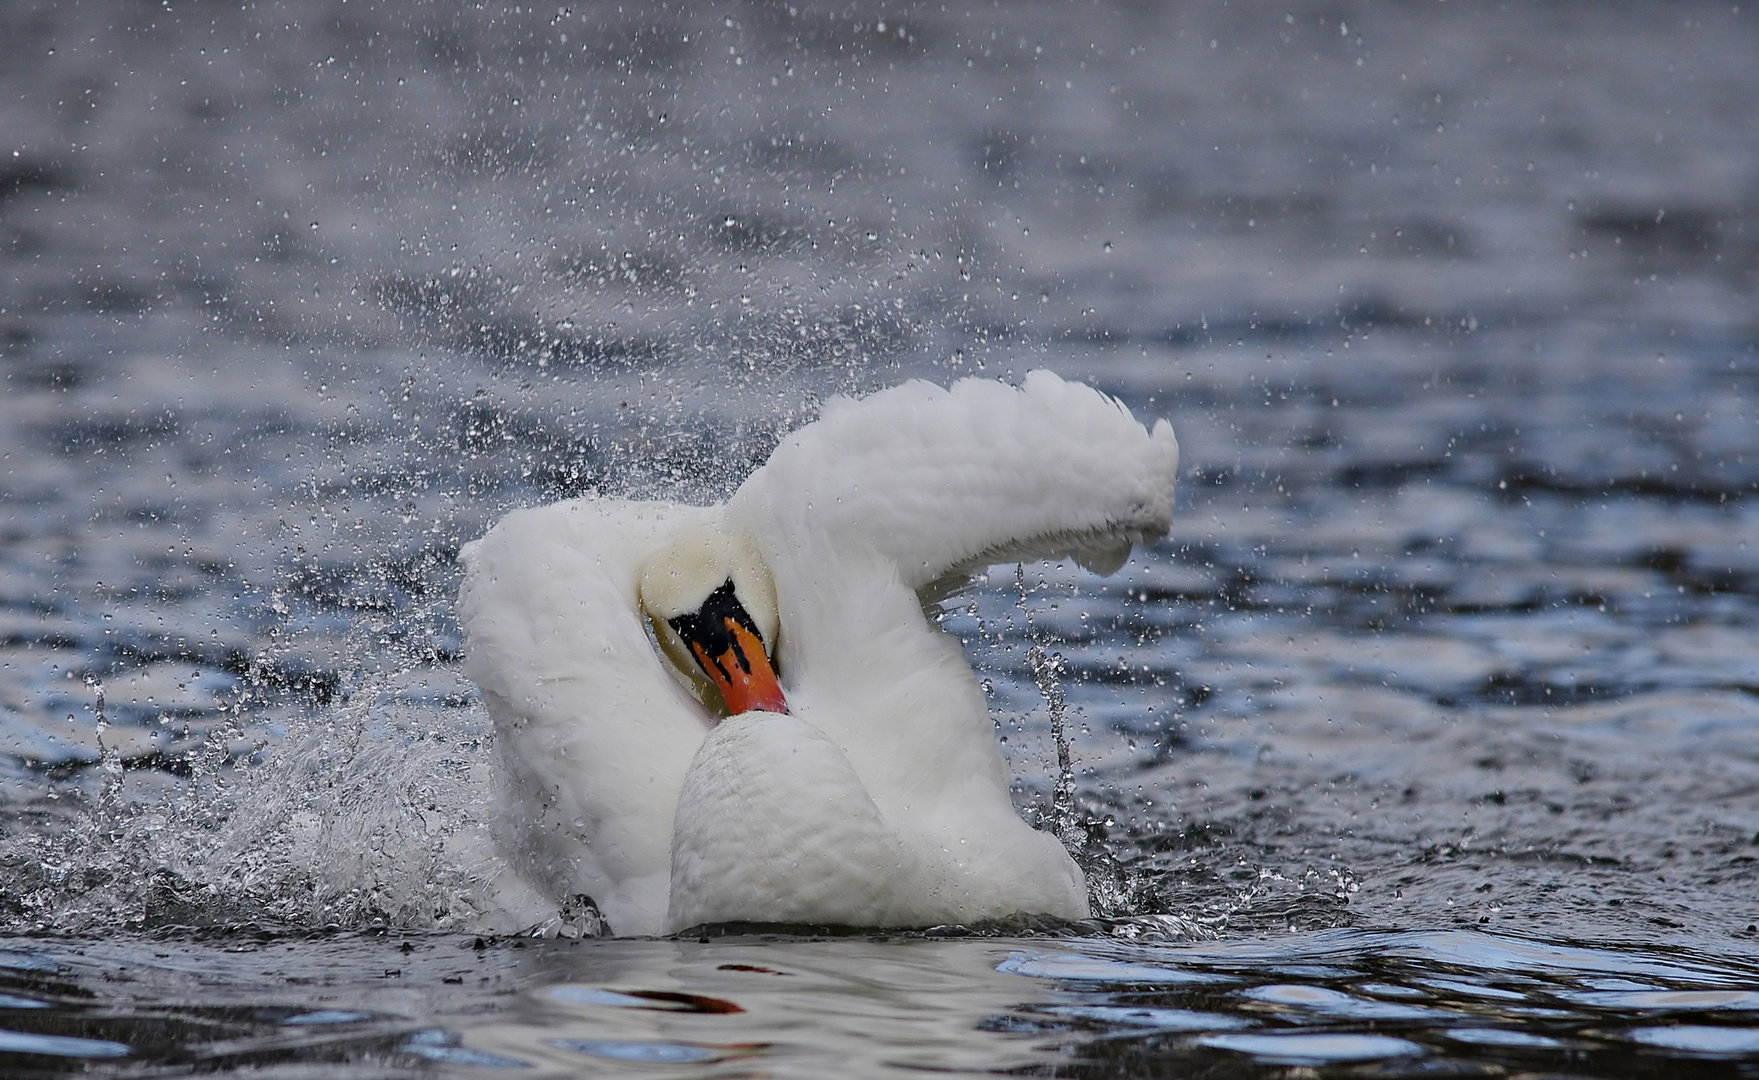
(598, 631)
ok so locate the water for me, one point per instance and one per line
(1340, 1000)
(1425, 742)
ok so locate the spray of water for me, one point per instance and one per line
(1112, 890)
(1047, 667)
(109, 758)
(375, 810)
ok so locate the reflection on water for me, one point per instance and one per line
(783, 1006)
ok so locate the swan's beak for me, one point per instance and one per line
(724, 640)
(743, 673)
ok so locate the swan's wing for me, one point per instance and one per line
(863, 511)
(596, 734)
(942, 482)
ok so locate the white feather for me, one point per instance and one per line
(883, 798)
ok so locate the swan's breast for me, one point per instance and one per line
(773, 825)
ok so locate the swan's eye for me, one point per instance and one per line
(725, 641)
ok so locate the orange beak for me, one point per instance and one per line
(743, 673)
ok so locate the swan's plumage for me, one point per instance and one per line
(883, 798)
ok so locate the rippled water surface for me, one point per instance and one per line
(1429, 740)
(775, 1005)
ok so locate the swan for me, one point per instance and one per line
(743, 712)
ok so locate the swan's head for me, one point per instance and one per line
(711, 604)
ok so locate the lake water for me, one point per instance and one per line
(1428, 741)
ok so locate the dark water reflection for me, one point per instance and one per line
(1342, 1002)
(1451, 659)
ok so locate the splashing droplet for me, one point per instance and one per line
(1046, 668)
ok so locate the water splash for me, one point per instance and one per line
(109, 756)
(1047, 667)
(374, 811)
(1113, 891)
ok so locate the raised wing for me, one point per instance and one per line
(944, 481)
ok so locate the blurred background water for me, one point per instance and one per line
(1453, 653)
